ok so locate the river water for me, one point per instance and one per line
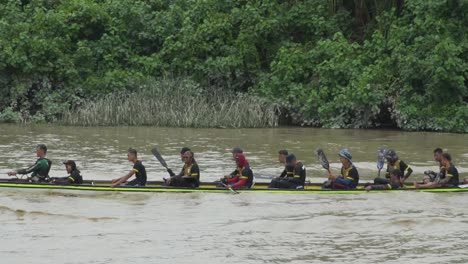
(86, 227)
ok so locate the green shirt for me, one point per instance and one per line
(40, 169)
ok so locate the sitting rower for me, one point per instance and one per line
(293, 176)
(74, 178)
(189, 176)
(448, 177)
(40, 170)
(394, 184)
(282, 154)
(431, 175)
(393, 162)
(349, 177)
(242, 177)
(138, 170)
(182, 152)
(238, 150)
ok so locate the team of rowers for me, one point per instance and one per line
(292, 177)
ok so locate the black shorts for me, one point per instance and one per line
(180, 181)
(282, 183)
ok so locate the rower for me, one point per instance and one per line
(182, 152)
(238, 150)
(431, 175)
(282, 154)
(349, 177)
(448, 178)
(394, 184)
(242, 177)
(393, 162)
(74, 178)
(40, 170)
(138, 170)
(293, 176)
(189, 175)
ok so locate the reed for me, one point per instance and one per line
(170, 103)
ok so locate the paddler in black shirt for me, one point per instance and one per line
(448, 177)
(74, 178)
(394, 162)
(295, 175)
(431, 175)
(349, 177)
(182, 152)
(138, 170)
(282, 154)
(189, 176)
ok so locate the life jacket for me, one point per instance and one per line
(187, 171)
(345, 173)
(242, 175)
(395, 166)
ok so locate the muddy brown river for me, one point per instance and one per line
(84, 227)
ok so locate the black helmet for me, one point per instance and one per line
(391, 155)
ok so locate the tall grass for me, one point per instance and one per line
(174, 103)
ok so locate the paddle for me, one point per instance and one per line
(161, 160)
(323, 160)
(230, 188)
(380, 159)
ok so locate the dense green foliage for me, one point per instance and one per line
(327, 63)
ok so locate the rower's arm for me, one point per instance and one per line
(28, 170)
(283, 173)
(300, 172)
(448, 176)
(408, 172)
(445, 180)
(195, 172)
(407, 169)
(124, 178)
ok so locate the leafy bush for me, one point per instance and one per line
(327, 63)
(9, 116)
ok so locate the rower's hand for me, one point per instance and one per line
(11, 173)
(402, 181)
(170, 172)
(368, 188)
(114, 185)
(168, 181)
(114, 180)
(228, 186)
(416, 185)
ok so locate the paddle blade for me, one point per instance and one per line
(230, 188)
(323, 159)
(380, 158)
(158, 156)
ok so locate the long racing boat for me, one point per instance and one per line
(205, 187)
